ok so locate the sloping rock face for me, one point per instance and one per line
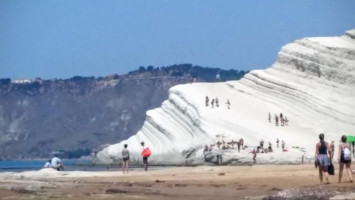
(312, 83)
(73, 116)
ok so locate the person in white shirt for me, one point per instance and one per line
(47, 164)
(57, 164)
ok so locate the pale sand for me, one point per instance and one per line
(203, 182)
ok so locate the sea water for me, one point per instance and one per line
(69, 165)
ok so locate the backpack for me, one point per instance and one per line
(146, 152)
(347, 154)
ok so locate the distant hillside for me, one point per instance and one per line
(76, 115)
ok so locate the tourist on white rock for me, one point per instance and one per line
(283, 145)
(269, 117)
(276, 120)
(207, 100)
(238, 143)
(286, 121)
(125, 158)
(206, 151)
(57, 164)
(224, 145)
(321, 158)
(262, 143)
(217, 103)
(344, 158)
(241, 142)
(281, 119)
(228, 104)
(270, 147)
(277, 142)
(212, 103)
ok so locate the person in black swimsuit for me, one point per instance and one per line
(322, 160)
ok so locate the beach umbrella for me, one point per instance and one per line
(351, 138)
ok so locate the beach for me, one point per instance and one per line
(201, 182)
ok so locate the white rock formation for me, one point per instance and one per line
(312, 83)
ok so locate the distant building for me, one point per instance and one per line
(22, 81)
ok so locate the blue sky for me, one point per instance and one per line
(64, 38)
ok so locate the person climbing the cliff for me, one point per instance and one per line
(217, 102)
(321, 158)
(281, 119)
(145, 153)
(125, 158)
(269, 117)
(228, 104)
(277, 142)
(286, 121)
(276, 120)
(207, 101)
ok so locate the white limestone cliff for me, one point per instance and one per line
(312, 83)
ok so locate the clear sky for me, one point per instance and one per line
(64, 38)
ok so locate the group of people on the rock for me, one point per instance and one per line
(282, 119)
(215, 102)
(230, 145)
(261, 149)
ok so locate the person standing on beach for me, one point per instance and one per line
(344, 158)
(254, 155)
(321, 158)
(125, 158)
(145, 157)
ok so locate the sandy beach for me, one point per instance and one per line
(202, 182)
